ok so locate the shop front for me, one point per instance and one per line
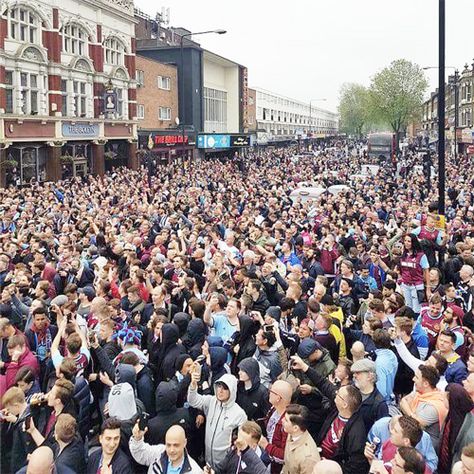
(49, 149)
(224, 145)
(166, 146)
(467, 140)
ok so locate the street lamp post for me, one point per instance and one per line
(218, 32)
(441, 109)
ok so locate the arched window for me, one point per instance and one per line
(24, 25)
(114, 52)
(75, 40)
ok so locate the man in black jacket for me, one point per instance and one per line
(343, 435)
(16, 443)
(373, 405)
(252, 396)
(70, 448)
(167, 414)
(110, 454)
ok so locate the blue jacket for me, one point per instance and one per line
(386, 366)
(456, 371)
(381, 430)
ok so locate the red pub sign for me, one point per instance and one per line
(170, 139)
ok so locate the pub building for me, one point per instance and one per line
(68, 101)
(167, 145)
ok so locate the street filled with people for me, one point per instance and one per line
(193, 317)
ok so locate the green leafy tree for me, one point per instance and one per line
(396, 94)
(353, 108)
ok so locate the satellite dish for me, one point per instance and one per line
(176, 120)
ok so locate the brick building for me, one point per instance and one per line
(67, 88)
(157, 108)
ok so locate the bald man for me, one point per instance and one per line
(169, 457)
(326, 466)
(280, 397)
(42, 462)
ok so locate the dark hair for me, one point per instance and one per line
(287, 303)
(450, 334)
(110, 424)
(353, 398)
(198, 307)
(40, 310)
(390, 285)
(441, 363)
(382, 339)
(298, 415)
(414, 461)
(411, 429)
(257, 284)
(270, 337)
(430, 374)
(415, 244)
(24, 374)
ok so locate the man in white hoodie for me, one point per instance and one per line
(223, 414)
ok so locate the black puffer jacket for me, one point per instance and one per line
(253, 401)
(167, 414)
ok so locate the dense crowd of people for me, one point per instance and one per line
(202, 320)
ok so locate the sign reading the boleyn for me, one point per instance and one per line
(80, 130)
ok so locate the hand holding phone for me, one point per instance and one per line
(143, 421)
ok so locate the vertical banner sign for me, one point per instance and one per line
(245, 98)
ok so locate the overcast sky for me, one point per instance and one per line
(305, 49)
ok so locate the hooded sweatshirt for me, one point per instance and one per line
(169, 350)
(195, 336)
(167, 414)
(254, 401)
(221, 419)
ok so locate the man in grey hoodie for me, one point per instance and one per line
(223, 414)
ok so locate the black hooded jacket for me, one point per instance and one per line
(246, 341)
(218, 360)
(169, 351)
(195, 336)
(182, 320)
(167, 414)
(255, 400)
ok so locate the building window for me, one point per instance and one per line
(29, 93)
(215, 110)
(80, 98)
(64, 98)
(9, 91)
(23, 25)
(74, 40)
(164, 83)
(165, 113)
(114, 52)
(140, 111)
(140, 77)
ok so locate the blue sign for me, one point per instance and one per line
(80, 130)
(213, 141)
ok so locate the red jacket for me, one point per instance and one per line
(328, 258)
(276, 449)
(26, 359)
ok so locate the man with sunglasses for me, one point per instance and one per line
(343, 434)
